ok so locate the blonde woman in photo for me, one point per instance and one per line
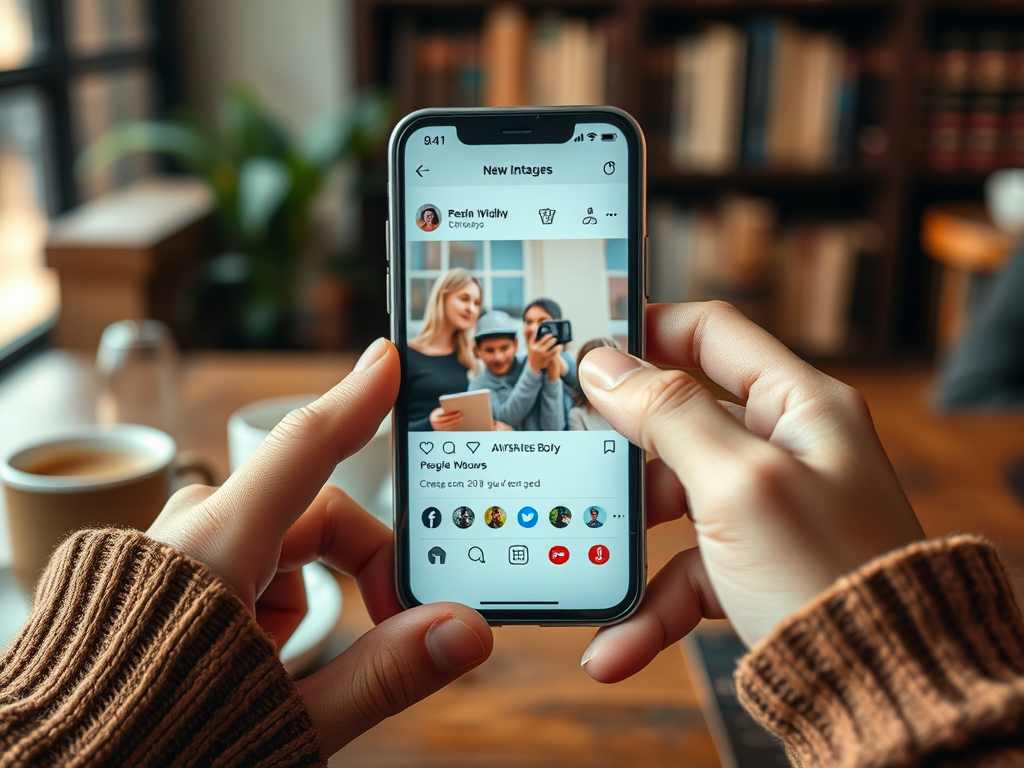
(440, 359)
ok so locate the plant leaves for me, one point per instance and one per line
(350, 129)
(249, 129)
(191, 147)
(263, 184)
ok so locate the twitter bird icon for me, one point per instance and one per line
(528, 517)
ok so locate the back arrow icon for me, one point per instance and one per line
(421, 168)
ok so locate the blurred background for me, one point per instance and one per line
(822, 165)
(849, 173)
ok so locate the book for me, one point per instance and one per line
(798, 281)
(757, 105)
(674, 276)
(684, 61)
(707, 98)
(568, 62)
(787, 81)
(659, 83)
(989, 82)
(951, 65)
(815, 123)
(846, 101)
(505, 35)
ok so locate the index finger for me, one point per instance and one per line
(275, 485)
(735, 353)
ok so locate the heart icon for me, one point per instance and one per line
(472, 446)
(426, 447)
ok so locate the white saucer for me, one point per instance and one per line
(323, 596)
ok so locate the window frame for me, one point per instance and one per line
(485, 275)
(51, 74)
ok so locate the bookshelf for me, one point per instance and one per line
(849, 177)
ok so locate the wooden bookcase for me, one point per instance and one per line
(896, 298)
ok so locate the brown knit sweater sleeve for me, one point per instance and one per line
(915, 659)
(135, 654)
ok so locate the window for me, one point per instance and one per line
(499, 265)
(69, 70)
(616, 257)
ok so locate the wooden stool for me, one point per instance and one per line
(963, 240)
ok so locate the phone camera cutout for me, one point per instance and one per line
(560, 517)
(463, 517)
(495, 517)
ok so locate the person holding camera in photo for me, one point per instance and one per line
(523, 396)
(546, 350)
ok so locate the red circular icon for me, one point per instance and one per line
(599, 554)
(558, 555)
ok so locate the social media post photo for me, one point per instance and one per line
(518, 487)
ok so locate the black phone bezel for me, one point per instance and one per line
(521, 126)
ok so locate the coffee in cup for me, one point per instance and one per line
(111, 474)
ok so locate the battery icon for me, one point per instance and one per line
(608, 136)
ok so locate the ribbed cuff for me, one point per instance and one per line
(919, 653)
(135, 654)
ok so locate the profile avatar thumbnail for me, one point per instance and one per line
(427, 218)
(463, 517)
(560, 517)
(495, 517)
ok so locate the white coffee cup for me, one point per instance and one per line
(1004, 194)
(366, 476)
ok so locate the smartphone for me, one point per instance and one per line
(502, 220)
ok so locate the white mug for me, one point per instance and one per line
(366, 476)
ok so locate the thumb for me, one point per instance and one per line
(667, 413)
(394, 665)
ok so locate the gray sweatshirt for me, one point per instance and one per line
(524, 399)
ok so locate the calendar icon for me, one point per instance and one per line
(518, 555)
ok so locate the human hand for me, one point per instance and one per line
(540, 352)
(274, 514)
(443, 421)
(783, 506)
(501, 426)
(557, 367)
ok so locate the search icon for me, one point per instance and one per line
(476, 554)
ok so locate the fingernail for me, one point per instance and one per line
(606, 368)
(453, 645)
(589, 653)
(373, 353)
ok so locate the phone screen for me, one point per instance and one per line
(537, 516)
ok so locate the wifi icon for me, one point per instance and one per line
(580, 138)
(591, 136)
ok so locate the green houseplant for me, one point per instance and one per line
(264, 182)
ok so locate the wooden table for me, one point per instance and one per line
(531, 704)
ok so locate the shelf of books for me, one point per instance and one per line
(790, 142)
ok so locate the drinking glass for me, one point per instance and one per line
(137, 375)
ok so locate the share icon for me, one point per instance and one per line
(472, 446)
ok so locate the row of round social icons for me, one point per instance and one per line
(495, 517)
